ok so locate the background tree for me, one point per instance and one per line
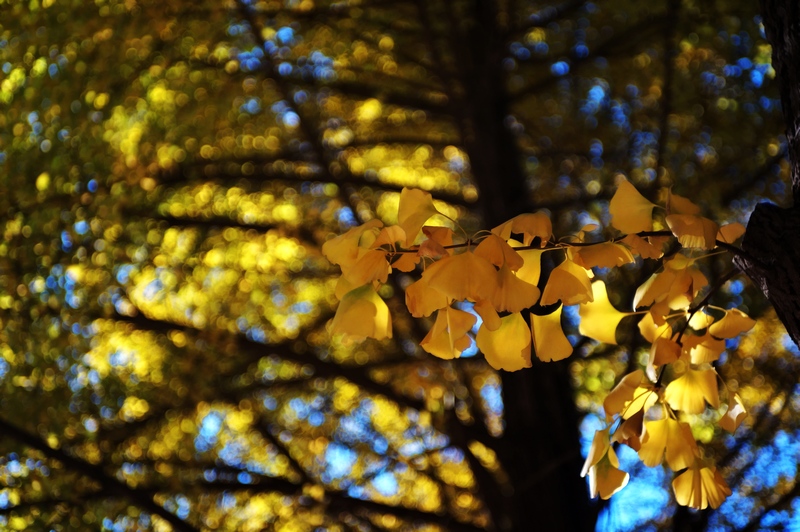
(169, 174)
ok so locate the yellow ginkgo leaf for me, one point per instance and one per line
(622, 393)
(734, 416)
(532, 267)
(693, 231)
(668, 435)
(651, 247)
(463, 276)
(644, 397)
(664, 351)
(630, 431)
(531, 225)
(734, 323)
(487, 312)
(599, 318)
(730, 232)
(513, 294)
(651, 330)
(602, 466)
(389, 236)
(441, 235)
(416, 207)
(498, 252)
(344, 249)
(362, 313)
(630, 211)
(678, 204)
(448, 336)
(601, 255)
(549, 341)
(568, 283)
(509, 346)
(422, 300)
(692, 390)
(405, 262)
(599, 448)
(370, 266)
(704, 348)
(700, 486)
(700, 321)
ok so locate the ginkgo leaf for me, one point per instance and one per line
(630, 211)
(568, 283)
(700, 486)
(448, 336)
(630, 431)
(670, 436)
(487, 312)
(678, 204)
(509, 346)
(656, 288)
(599, 448)
(599, 318)
(415, 208)
(370, 266)
(344, 249)
(730, 232)
(622, 393)
(693, 231)
(732, 324)
(532, 267)
(405, 262)
(601, 255)
(704, 348)
(463, 276)
(605, 478)
(700, 321)
(422, 300)
(664, 351)
(644, 397)
(389, 236)
(434, 245)
(531, 225)
(734, 416)
(513, 294)
(651, 247)
(652, 331)
(602, 466)
(498, 252)
(362, 313)
(692, 390)
(440, 235)
(549, 341)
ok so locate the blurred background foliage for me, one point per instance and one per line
(169, 171)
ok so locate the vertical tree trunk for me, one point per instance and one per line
(773, 233)
(540, 448)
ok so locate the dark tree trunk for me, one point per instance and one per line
(772, 232)
(540, 447)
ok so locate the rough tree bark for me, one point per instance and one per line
(540, 448)
(773, 260)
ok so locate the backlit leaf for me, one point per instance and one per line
(509, 346)
(549, 341)
(448, 336)
(732, 324)
(692, 390)
(622, 393)
(700, 486)
(416, 207)
(513, 294)
(630, 211)
(670, 436)
(599, 318)
(363, 314)
(498, 252)
(568, 283)
(734, 416)
(530, 225)
(463, 276)
(693, 231)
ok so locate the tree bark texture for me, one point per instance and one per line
(773, 260)
(540, 447)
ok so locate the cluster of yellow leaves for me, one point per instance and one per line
(495, 277)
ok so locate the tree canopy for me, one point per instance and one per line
(172, 170)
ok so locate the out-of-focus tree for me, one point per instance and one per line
(170, 171)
